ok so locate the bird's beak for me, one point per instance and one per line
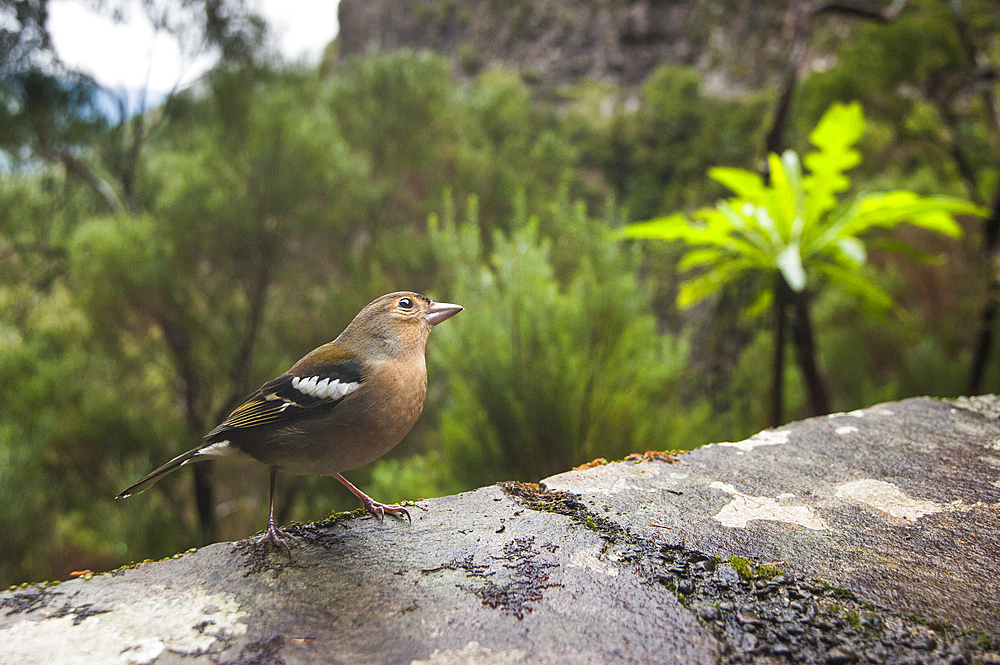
(442, 311)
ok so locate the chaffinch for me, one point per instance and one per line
(341, 406)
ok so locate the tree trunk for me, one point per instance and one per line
(204, 495)
(805, 351)
(774, 142)
(987, 317)
(781, 292)
(177, 340)
(802, 12)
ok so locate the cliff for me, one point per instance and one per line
(734, 43)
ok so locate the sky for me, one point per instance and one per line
(131, 57)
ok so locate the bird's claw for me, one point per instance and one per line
(277, 537)
(380, 510)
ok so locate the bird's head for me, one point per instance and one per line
(399, 322)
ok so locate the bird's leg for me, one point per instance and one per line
(273, 533)
(371, 505)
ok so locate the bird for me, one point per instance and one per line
(341, 406)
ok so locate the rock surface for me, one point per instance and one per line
(566, 41)
(863, 537)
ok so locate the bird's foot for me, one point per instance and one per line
(371, 505)
(276, 536)
(381, 509)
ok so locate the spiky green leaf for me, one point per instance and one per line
(874, 300)
(698, 288)
(745, 184)
(672, 227)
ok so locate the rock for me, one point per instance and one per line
(874, 526)
(556, 42)
(899, 504)
(709, 613)
(841, 656)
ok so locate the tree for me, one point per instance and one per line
(795, 232)
(50, 112)
(234, 200)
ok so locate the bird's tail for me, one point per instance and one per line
(156, 474)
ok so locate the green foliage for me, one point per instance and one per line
(917, 358)
(419, 133)
(768, 571)
(70, 418)
(543, 373)
(742, 566)
(795, 225)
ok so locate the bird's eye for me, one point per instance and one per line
(405, 303)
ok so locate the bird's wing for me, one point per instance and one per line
(290, 396)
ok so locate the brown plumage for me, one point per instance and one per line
(341, 406)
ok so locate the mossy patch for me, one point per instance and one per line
(528, 579)
(562, 503)
(29, 600)
(35, 599)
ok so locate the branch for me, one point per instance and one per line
(243, 362)
(978, 61)
(860, 8)
(78, 168)
(179, 342)
(958, 152)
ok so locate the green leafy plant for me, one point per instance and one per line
(794, 228)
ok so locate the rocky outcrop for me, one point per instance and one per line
(566, 41)
(869, 536)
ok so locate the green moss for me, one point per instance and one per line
(837, 591)
(741, 566)
(767, 572)
(981, 639)
(748, 571)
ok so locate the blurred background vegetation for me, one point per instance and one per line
(157, 267)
